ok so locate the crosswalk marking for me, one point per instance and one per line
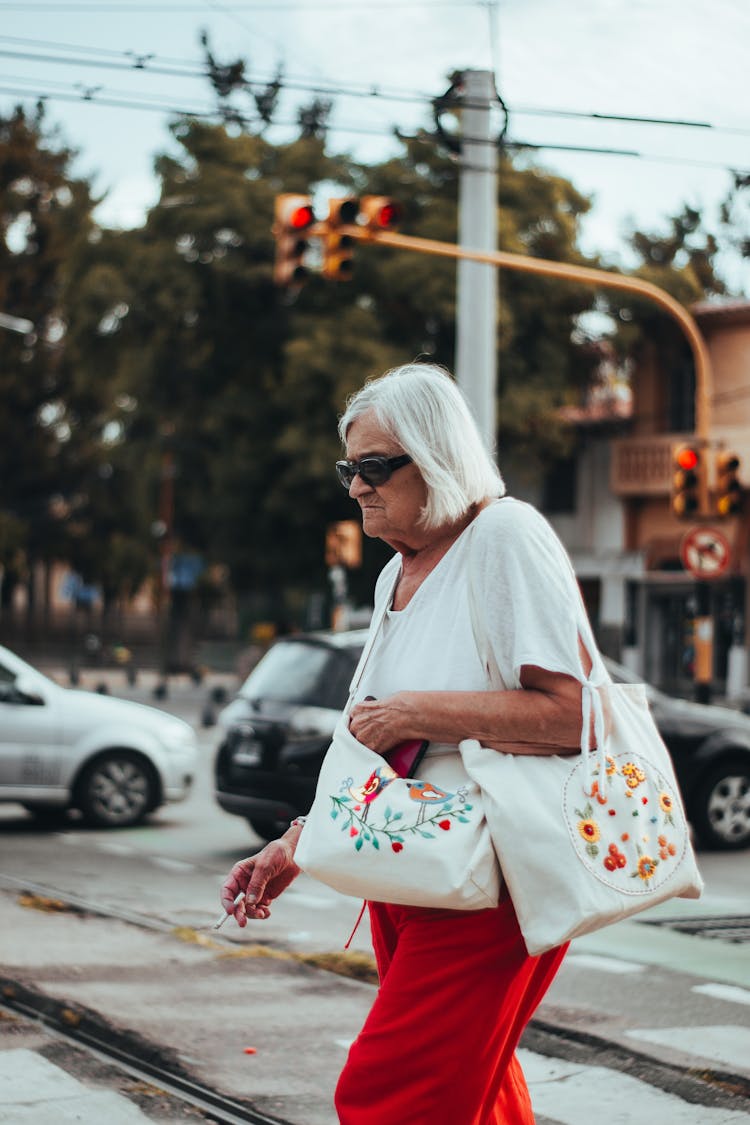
(34, 1089)
(169, 864)
(730, 992)
(569, 1093)
(727, 1045)
(597, 961)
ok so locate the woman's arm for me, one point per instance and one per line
(261, 878)
(544, 718)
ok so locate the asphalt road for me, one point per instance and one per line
(683, 997)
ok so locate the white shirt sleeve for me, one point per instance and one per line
(526, 595)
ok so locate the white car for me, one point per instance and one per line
(113, 760)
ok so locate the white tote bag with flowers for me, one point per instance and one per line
(588, 839)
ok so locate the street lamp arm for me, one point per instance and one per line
(586, 275)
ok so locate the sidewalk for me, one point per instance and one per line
(260, 1028)
(187, 1001)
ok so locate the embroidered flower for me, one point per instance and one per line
(666, 802)
(396, 846)
(589, 829)
(444, 824)
(647, 867)
(633, 775)
(611, 767)
(615, 858)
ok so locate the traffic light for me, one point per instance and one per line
(380, 212)
(338, 246)
(728, 487)
(293, 215)
(687, 468)
(344, 544)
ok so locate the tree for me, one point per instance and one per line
(44, 214)
(176, 353)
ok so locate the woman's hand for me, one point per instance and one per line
(382, 723)
(262, 878)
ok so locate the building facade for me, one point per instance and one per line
(625, 540)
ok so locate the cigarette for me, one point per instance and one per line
(220, 922)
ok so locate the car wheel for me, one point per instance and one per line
(116, 790)
(722, 813)
(268, 828)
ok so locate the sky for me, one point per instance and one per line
(679, 60)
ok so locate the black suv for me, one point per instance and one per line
(277, 730)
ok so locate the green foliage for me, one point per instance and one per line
(168, 347)
(45, 214)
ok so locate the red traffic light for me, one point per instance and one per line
(380, 212)
(687, 458)
(388, 215)
(293, 214)
(688, 480)
(301, 217)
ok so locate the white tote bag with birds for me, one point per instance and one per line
(415, 841)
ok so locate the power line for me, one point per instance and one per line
(143, 60)
(231, 14)
(100, 96)
(144, 65)
(651, 157)
(628, 119)
(258, 6)
(147, 62)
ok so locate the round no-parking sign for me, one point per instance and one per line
(705, 552)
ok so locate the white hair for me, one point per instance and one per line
(420, 407)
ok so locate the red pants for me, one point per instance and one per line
(438, 1047)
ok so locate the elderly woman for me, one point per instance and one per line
(457, 987)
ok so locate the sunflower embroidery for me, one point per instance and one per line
(589, 829)
(646, 867)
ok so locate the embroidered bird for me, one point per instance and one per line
(380, 777)
(425, 793)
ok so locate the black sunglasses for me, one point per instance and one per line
(373, 470)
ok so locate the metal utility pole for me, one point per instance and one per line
(476, 305)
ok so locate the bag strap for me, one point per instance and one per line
(376, 621)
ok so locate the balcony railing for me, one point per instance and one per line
(642, 466)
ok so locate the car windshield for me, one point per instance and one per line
(291, 672)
